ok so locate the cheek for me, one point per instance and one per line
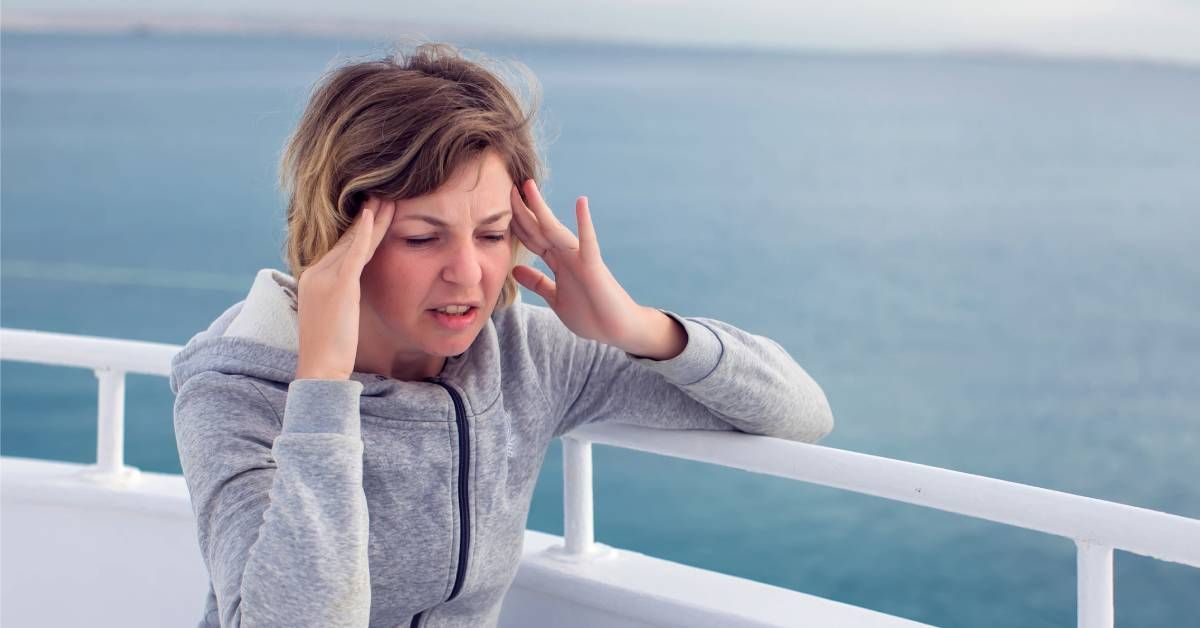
(384, 264)
(381, 261)
(392, 279)
(500, 263)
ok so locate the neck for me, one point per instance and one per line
(402, 367)
(379, 356)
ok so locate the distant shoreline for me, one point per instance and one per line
(171, 25)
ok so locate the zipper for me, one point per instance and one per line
(464, 448)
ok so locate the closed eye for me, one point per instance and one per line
(415, 242)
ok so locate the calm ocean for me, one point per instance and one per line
(988, 263)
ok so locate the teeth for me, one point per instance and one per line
(454, 309)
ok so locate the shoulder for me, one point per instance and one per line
(532, 336)
(213, 398)
(532, 326)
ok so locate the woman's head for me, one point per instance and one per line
(445, 137)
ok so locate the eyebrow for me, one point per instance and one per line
(439, 223)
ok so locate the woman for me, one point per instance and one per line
(358, 450)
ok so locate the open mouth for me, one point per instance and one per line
(455, 321)
(463, 313)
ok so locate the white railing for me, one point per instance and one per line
(110, 359)
(1097, 527)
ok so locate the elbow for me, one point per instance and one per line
(824, 419)
(814, 416)
(825, 411)
(816, 421)
(801, 410)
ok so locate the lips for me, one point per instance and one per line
(455, 322)
(469, 309)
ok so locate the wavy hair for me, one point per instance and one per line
(399, 128)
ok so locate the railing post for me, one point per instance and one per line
(110, 430)
(578, 533)
(110, 425)
(1094, 574)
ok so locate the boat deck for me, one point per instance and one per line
(104, 546)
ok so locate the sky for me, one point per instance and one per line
(1166, 30)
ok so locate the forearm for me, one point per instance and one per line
(278, 512)
(660, 337)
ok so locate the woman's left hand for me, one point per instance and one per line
(583, 293)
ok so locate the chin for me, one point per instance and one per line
(450, 348)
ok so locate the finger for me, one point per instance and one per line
(530, 227)
(362, 233)
(537, 281)
(526, 238)
(552, 229)
(379, 228)
(345, 243)
(523, 236)
(547, 255)
(589, 247)
(558, 233)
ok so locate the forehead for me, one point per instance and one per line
(480, 186)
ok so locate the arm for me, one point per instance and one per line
(720, 378)
(280, 511)
(724, 379)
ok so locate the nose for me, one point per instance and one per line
(463, 265)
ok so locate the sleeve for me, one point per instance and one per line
(725, 379)
(281, 515)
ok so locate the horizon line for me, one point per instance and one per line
(84, 22)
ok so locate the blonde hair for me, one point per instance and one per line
(399, 128)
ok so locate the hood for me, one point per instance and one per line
(259, 337)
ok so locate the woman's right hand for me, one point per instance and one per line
(330, 294)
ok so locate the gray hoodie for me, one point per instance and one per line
(374, 501)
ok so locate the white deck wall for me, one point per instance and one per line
(74, 553)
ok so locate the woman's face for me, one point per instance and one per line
(448, 247)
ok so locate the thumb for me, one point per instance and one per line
(536, 281)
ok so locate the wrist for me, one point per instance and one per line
(308, 372)
(661, 337)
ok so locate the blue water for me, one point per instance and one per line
(988, 263)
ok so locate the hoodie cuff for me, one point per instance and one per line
(698, 359)
(329, 406)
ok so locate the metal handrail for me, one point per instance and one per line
(110, 359)
(1152, 533)
(94, 352)
(1096, 526)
